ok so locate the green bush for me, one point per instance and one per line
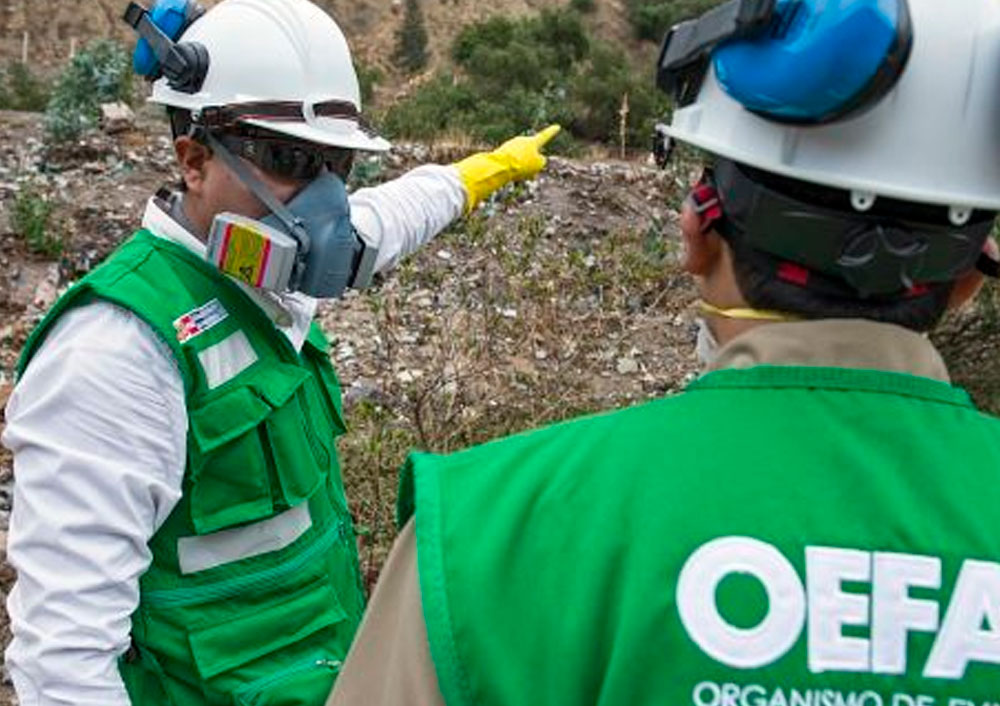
(517, 75)
(31, 218)
(652, 18)
(598, 92)
(529, 52)
(582, 5)
(20, 89)
(411, 40)
(441, 104)
(101, 73)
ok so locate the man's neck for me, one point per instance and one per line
(725, 330)
(179, 212)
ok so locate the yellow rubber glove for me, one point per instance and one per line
(514, 160)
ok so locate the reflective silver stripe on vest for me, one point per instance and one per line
(201, 553)
(227, 359)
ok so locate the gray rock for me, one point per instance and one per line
(116, 117)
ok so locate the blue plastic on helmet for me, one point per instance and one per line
(171, 17)
(818, 60)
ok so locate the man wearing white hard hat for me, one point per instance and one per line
(180, 530)
(814, 521)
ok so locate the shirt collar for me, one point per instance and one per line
(292, 313)
(840, 343)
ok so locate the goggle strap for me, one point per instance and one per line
(262, 192)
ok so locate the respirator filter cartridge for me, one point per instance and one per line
(251, 251)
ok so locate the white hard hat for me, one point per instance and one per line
(933, 137)
(286, 59)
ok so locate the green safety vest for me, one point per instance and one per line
(771, 537)
(271, 626)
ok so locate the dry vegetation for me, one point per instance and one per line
(562, 299)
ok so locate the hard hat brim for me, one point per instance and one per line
(331, 132)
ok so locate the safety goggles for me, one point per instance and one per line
(813, 237)
(791, 61)
(285, 157)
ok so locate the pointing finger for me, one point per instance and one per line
(547, 135)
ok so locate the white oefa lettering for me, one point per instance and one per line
(737, 647)
(830, 609)
(969, 633)
(962, 639)
(894, 613)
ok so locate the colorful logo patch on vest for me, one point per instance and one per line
(196, 322)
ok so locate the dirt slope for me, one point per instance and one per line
(55, 26)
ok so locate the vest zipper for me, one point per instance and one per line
(191, 595)
(252, 688)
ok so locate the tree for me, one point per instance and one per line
(411, 40)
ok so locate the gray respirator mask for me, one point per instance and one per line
(307, 245)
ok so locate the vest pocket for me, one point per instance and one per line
(299, 444)
(230, 483)
(264, 643)
(258, 448)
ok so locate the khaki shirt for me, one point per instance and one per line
(390, 662)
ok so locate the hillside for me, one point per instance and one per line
(55, 27)
(559, 298)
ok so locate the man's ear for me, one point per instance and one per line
(192, 157)
(969, 284)
(702, 248)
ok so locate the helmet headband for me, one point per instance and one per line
(886, 251)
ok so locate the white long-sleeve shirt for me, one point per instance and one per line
(98, 428)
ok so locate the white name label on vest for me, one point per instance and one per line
(967, 629)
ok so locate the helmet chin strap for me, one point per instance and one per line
(745, 314)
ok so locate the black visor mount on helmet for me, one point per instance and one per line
(687, 48)
(887, 251)
(184, 64)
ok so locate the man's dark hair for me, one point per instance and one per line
(763, 279)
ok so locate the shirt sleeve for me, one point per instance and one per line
(390, 661)
(98, 427)
(402, 215)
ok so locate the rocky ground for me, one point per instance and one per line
(560, 298)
